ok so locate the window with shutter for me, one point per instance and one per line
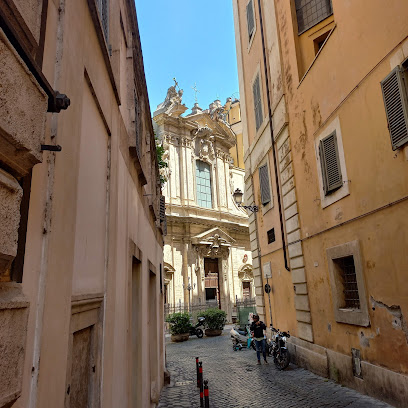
(103, 7)
(394, 89)
(250, 19)
(162, 208)
(330, 164)
(257, 102)
(203, 176)
(264, 184)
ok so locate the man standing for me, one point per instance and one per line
(257, 330)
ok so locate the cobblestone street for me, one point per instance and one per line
(235, 381)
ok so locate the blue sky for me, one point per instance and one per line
(193, 41)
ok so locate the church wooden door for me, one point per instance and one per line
(212, 282)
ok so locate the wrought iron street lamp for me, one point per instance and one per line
(238, 199)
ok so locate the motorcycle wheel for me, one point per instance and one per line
(253, 345)
(282, 360)
(199, 333)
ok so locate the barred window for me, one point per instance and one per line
(311, 12)
(103, 8)
(347, 284)
(347, 274)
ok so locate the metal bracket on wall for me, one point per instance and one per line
(51, 148)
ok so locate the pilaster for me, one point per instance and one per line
(293, 233)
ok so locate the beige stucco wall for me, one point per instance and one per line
(94, 247)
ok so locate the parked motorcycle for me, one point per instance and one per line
(241, 337)
(276, 347)
(196, 330)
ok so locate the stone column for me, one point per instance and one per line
(225, 283)
(185, 271)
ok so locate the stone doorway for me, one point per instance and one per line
(212, 281)
(246, 290)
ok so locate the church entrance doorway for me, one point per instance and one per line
(212, 282)
(246, 290)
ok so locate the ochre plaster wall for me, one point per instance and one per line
(340, 87)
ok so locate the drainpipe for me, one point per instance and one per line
(275, 163)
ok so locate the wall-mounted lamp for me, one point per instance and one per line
(238, 199)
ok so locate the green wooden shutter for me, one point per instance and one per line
(330, 163)
(257, 103)
(162, 207)
(264, 184)
(394, 89)
(250, 19)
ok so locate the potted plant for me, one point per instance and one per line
(215, 320)
(179, 326)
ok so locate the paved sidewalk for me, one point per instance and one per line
(235, 381)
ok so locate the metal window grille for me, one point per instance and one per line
(311, 12)
(257, 102)
(348, 276)
(330, 164)
(394, 89)
(250, 19)
(103, 8)
(264, 184)
(271, 236)
(203, 177)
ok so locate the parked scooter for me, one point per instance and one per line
(276, 347)
(242, 337)
(196, 330)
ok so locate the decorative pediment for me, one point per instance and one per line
(213, 243)
(245, 273)
(211, 125)
(207, 237)
(168, 268)
(168, 272)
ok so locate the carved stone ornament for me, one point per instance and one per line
(206, 150)
(172, 105)
(217, 114)
(216, 247)
(204, 143)
(225, 268)
(168, 272)
(245, 273)
(202, 131)
(172, 97)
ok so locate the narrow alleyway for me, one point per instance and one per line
(235, 381)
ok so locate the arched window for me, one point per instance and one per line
(203, 176)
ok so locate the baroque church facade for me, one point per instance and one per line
(207, 257)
